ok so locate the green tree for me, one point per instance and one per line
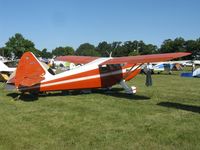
(63, 51)
(141, 47)
(132, 47)
(87, 49)
(170, 46)
(137, 47)
(197, 50)
(149, 49)
(128, 48)
(193, 46)
(116, 48)
(167, 46)
(17, 44)
(46, 54)
(104, 49)
(4, 52)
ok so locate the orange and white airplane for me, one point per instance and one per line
(96, 72)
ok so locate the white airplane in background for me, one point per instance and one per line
(169, 65)
(5, 71)
(5, 68)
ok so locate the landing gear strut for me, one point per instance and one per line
(128, 90)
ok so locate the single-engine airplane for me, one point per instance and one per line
(31, 75)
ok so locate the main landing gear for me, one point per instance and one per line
(128, 90)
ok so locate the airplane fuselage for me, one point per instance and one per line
(97, 72)
(88, 76)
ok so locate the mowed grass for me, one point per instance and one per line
(165, 116)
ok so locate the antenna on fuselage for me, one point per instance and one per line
(110, 54)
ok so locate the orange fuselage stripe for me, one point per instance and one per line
(84, 80)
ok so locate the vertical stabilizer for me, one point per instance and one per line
(29, 71)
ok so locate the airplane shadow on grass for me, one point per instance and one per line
(195, 109)
(24, 97)
(115, 92)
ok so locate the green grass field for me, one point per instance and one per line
(165, 116)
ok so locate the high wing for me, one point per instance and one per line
(145, 58)
(77, 59)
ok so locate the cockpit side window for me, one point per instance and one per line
(109, 67)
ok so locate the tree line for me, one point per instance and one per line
(17, 45)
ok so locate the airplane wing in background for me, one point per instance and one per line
(77, 59)
(145, 58)
(4, 68)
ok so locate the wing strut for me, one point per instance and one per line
(130, 71)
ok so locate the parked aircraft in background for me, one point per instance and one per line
(165, 66)
(169, 66)
(31, 75)
(5, 71)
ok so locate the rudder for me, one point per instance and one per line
(29, 71)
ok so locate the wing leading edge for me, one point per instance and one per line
(145, 58)
(125, 60)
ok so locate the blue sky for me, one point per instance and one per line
(53, 23)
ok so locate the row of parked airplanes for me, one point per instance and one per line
(33, 76)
